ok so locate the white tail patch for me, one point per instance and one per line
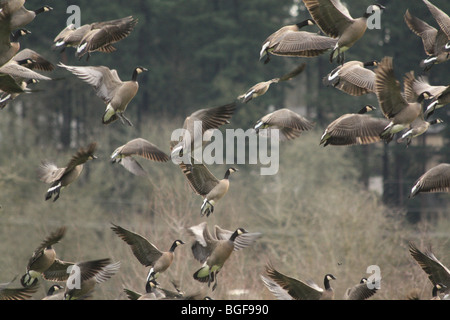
(81, 48)
(54, 188)
(263, 49)
(109, 112)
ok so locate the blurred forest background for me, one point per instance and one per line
(328, 210)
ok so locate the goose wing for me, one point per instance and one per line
(146, 252)
(436, 271)
(104, 81)
(297, 289)
(388, 89)
(201, 180)
(331, 16)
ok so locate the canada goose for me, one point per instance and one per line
(55, 292)
(14, 90)
(196, 125)
(354, 128)
(352, 78)
(442, 19)
(204, 183)
(37, 61)
(96, 36)
(261, 88)
(70, 36)
(107, 85)
(21, 17)
(152, 292)
(334, 19)
(433, 40)
(440, 95)
(394, 105)
(59, 178)
(20, 293)
(437, 288)
(290, 41)
(139, 147)
(147, 253)
(285, 287)
(9, 44)
(214, 250)
(83, 277)
(419, 126)
(42, 258)
(8, 7)
(436, 179)
(20, 72)
(361, 291)
(290, 124)
(436, 271)
(103, 34)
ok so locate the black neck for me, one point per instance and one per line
(369, 64)
(234, 235)
(302, 24)
(172, 248)
(134, 76)
(148, 287)
(363, 110)
(40, 10)
(326, 283)
(227, 174)
(16, 35)
(435, 291)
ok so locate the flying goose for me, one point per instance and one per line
(290, 124)
(55, 292)
(42, 258)
(9, 44)
(419, 126)
(35, 61)
(71, 36)
(440, 95)
(436, 271)
(83, 277)
(334, 19)
(352, 78)
(433, 40)
(290, 41)
(284, 287)
(21, 17)
(361, 291)
(204, 183)
(436, 179)
(147, 253)
(7, 7)
(96, 36)
(154, 292)
(213, 250)
(59, 178)
(20, 293)
(261, 87)
(115, 93)
(103, 34)
(354, 128)
(137, 147)
(195, 126)
(394, 104)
